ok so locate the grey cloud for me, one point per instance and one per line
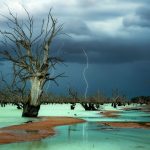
(135, 1)
(75, 26)
(102, 15)
(89, 15)
(141, 18)
(143, 12)
(110, 50)
(87, 3)
(127, 22)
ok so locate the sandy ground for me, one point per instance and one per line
(34, 130)
(127, 124)
(110, 114)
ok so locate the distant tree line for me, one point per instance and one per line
(141, 99)
(18, 97)
(8, 95)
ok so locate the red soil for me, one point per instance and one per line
(128, 124)
(34, 130)
(110, 114)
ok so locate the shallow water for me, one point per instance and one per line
(124, 116)
(88, 136)
(10, 115)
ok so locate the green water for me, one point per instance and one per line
(86, 136)
(124, 116)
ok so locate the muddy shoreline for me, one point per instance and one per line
(145, 125)
(110, 114)
(34, 130)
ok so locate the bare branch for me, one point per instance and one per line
(55, 77)
(29, 52)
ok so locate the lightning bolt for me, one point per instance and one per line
(84, 71)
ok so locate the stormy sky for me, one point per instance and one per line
(114, 33)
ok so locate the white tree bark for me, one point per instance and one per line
(36, 90)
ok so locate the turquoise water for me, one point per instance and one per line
(7, 121)
(137, 116)
(124, 116)
(10, 115)
(88, 136)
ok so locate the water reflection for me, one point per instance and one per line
(89, 136)
(124, 116)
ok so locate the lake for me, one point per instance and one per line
(89, 136)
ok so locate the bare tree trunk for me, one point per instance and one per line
(30, 64)
(90, 106)
(31, 108)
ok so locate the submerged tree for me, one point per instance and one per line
(30, 53)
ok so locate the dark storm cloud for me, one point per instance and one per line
(108, 51)
(114, 33)
(133, 48)
(1, 59)
(106, 43)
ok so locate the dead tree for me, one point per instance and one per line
(118, 99)
(11, 92)
(74, 96)
(90, 105)
(30, 53)
(86, 105)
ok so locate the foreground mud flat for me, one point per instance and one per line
(34, 130)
